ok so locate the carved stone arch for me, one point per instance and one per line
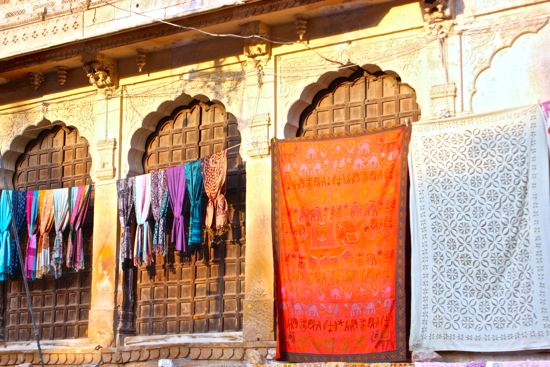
(150, 122)
(31, 132)
(327, 82)
(482, 56)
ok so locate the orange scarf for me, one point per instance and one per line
(46, 210)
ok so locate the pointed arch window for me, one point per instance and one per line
(362, 101)
(204, 291)
(57, 158)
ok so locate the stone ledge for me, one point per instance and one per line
(222, 351)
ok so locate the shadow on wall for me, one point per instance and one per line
(518, 75)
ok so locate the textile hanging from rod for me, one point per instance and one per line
(479, 224)
(80, 198)
(125, 194)
(339, 210)
(5, 236)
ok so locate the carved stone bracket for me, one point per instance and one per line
(443, 99)
(258, 143)
(301, 25)
(102, 72)
(257, 50)
(106, 152)
(437, 10)
(141, 59)
(37, 78)
(62, 74)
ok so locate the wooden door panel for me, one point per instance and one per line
(364, 101)
(57, 158)
(188, 293)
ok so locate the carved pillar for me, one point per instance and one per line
(443, 99)
(101, 330)
(105, 166)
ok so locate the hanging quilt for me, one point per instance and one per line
(479, 224)
(339, 205)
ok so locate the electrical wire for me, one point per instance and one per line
(286, 42)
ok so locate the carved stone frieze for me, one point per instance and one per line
(258, 141)
(150, 353)
(105, 167)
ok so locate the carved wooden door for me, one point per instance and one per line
(56, 158)
(363, 101)
(201, 292)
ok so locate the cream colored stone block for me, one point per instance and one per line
(259, 293)
(104, 14)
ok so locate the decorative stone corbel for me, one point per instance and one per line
(257, 50)
(102, 72)
(62, 74)
(443, 97)
(258, 142)
(106, 151)
(437, 10)
(37, 78)
(301, 25)
(141, 56)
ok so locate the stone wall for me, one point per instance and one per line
(483, 56)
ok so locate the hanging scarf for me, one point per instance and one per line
(142, 203)
(125, 193)
(32, 228)
(159, 205)
(80, 197)
(195, 190)
(19, 204)
(61, 214)
(176, 188)
(46, 223)
(5, 239)
(214, 175)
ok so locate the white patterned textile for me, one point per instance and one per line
(479, 227)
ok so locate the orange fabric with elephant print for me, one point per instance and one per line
(339, 209)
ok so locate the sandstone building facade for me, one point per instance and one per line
(93, 91)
